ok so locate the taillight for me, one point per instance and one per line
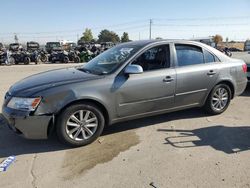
(244, 68)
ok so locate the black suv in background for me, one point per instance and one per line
(14, 47)
(32, 46)
(50, 46)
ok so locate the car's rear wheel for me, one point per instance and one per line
(80, 124)
(219, 99)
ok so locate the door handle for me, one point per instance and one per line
(168, 79)
(211, 73)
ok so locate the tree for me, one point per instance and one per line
(87, 35)
(217, 39)
(108, 36)
(158, 38)
(125, 37)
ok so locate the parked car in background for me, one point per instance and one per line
(74, 56)
(32, 46)
(106, 45)
(34, 49)
(69, 46)
(247, 45)
(59, 55)
(50, 46)
(21, 56)
(14, 47)
(131, 80)
(5, 57)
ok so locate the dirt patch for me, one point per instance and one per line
(79, 160)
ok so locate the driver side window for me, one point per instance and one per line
(154, 58)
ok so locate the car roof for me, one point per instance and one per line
(52, 42)
(142, 43)
(147, 42)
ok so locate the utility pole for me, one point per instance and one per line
(15, 38)
(150, 28)
(139, 36)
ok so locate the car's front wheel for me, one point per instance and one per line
(80, 124)
(219, 99)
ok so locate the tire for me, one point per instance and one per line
(44, 58)
(11, 61)
(38, 60)
(215, 104)
(16, 61)
(26, 60)
(66, 59)
(77, 59)
(67, 128)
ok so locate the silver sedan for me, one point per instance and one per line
(131, 80)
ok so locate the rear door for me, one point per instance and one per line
(196, 74)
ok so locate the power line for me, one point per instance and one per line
(202, 25)
(77, 30)
(141, 24)
(130, 23)
(202, 19)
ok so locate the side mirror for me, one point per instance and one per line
(133, 69)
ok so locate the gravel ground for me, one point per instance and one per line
(181, 149)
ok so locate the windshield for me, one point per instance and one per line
(54, 45)
(33, 45)
(72, 44)
(14, 46)
(111, 59)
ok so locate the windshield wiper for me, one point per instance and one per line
(84, 70)
(91, 71)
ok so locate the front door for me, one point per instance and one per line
(151, 91)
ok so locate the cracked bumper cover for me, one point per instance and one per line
(28, 126)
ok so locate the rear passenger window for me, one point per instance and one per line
(209, 58)
(189, 55)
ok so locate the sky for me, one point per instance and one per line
(53, 20)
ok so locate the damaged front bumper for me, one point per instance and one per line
(26, 125)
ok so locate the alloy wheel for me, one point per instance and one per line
(220, 99)
(81, 125)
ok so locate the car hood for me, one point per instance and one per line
(38, 82)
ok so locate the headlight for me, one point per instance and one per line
(26, 104)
